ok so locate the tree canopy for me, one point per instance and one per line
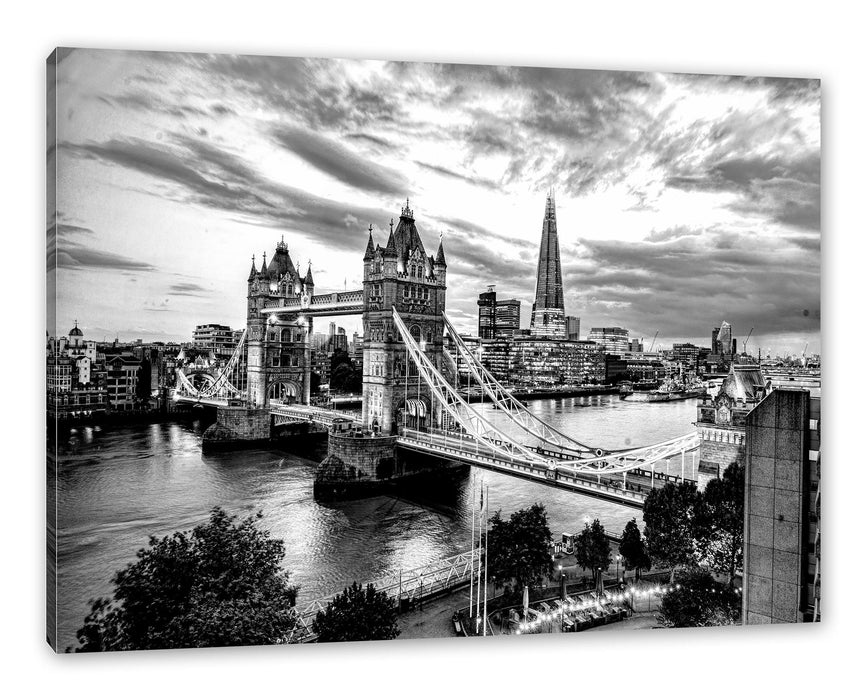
(220, 585)
(592, 549)
(358, 614)
(700, 601)
(633, 548)
(718, 522)
(344, 375)
(668, 515)
(519, 548)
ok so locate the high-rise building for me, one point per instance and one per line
(548, 311)
(507, 317)
(572, 327)
(613, 339)
(725, 340)
(714, 342)
(487, 313)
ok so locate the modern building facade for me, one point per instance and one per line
(612, 339)
(572, 327)
(507, 317)
(548, 311)
(487, 313)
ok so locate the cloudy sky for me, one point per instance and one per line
(682, 200)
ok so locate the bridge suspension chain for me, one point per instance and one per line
(498, 442)
(460, 410)
(512, 408)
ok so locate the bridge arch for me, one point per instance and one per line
(285, 390)
(201, 379)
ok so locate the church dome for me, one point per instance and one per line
(76, 332)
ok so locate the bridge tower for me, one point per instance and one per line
(401, 275)
(278, 348)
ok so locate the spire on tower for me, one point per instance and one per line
(440, 254)
(308, 280)
(252, 269)
(370, 252)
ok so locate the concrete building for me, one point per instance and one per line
(122, 379)
(548, 311)
(782, 528)
(215, 338)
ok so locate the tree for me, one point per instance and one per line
(344, 375)
(668, 515)
(719, 522)
(358, 614)
(592, 549)
(700, 601)
(633, 549)
(519, 548)
(220, 585)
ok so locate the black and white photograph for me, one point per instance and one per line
(352, 350)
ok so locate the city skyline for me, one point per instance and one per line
(175, 168)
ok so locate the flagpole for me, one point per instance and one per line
(486, 556)
(472, 551)
(478, 587)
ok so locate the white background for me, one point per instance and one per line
(800, 39)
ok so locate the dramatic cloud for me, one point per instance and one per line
(682, 199)
(340, 162)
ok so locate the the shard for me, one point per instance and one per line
(548, 311)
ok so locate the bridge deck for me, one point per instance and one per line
(472, 452)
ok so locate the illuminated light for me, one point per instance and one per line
(272, 319)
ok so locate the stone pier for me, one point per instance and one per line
(237, 426)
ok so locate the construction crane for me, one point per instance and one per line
(654, 341)
(746, 341)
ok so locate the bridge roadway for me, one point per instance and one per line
(465, 448)
(301, 413)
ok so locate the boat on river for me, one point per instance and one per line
(669, 390)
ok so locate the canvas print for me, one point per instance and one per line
(343, 350)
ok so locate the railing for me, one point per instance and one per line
(413, 584)
(304, 412)
(467, 448)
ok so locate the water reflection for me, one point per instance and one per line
(116, 486)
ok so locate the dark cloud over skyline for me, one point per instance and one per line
(682, 199)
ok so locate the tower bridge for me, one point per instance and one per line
(411, 410)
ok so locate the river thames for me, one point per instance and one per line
(116, 486)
